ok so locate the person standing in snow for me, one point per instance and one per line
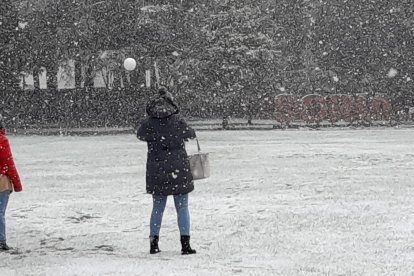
(168, 168)
(9, 182)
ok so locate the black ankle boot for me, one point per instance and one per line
(185, 246)
(4, 246)
(154, 245)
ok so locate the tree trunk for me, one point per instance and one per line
(89, 76)
(125, 80)
(51, 76)
(36, 78)
(78, 72)
(117, 79)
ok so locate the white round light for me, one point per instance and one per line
(130, 64)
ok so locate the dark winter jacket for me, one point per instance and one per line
(168, 168)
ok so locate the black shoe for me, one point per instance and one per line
(4, 246)
(154, 245)
(185, 246)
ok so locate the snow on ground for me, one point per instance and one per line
(296, 202)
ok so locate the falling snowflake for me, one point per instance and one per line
(392, 73)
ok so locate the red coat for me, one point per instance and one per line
(7, 166)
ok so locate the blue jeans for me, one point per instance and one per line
(183, 216)
(4, 199)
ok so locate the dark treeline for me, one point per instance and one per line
(241, 52)
(101, 107)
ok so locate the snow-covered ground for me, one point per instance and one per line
(296, 202)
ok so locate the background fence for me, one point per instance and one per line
(99, 107)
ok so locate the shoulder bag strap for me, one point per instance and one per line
(198, 145)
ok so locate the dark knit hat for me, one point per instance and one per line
(163, 93)
(162, 106)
